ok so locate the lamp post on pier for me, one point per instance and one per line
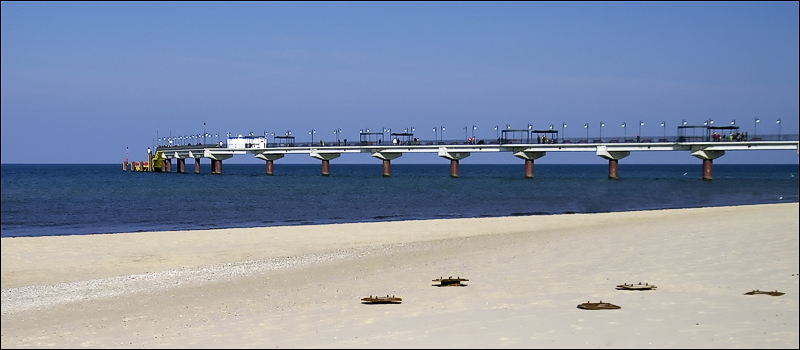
(586, 126)
(601, 130)
(312, 132)
(625, 130)
(530, 130)
(385, 130)
(755, 131)
(641, 123)
(779, 128)
(664, 128)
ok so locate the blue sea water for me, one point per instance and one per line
(48, 200)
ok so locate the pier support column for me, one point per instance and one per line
(197, 165)
(613, 169)
(167, 165)
(216, 166)
(326, 160)
(326, 167)
(387, 167)
(387, 161)
(708, 169)
(453, 167)
(529, 158)
(270, 158)
(708, 157)
(613, 160)
(454, 158)
(181, 165)
(216, 162)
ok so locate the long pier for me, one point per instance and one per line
(611, 149)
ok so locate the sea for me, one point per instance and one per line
(83, 199)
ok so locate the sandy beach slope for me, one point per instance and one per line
(301, 286)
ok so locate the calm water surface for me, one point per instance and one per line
(45, 200)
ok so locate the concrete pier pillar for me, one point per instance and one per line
(454, 157)
(270, 158)
(613, 160)
(708, 157)
(708, 169)
(326, 167)
(529, 157)
(167, 165)
(270, 167)
(216, 166)
(197, 165)
(387, 160)
(613, 169)
(125, 166)
(529, 168)
(387, 167)
(181, 165)
(326, 160)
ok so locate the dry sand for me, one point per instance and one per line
(301, 286)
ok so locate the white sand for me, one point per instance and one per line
(300, 287)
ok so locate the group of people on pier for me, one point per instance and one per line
(737, 136)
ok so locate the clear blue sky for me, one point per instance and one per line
(84, 81)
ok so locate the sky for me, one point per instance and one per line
(95, 82)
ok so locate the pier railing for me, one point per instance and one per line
(570, 140)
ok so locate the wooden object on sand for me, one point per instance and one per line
(598, 306)
(450, 281)
(382, 300)
(639, 286)
(774, 293)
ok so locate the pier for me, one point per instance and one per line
(528, 145)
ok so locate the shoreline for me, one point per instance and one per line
(299, 286)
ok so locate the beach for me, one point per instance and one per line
(301, 286)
